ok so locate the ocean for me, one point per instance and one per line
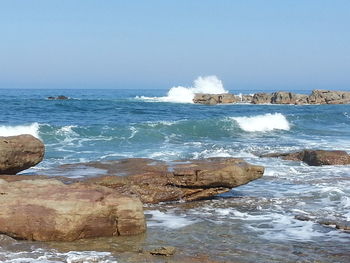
(251, 223)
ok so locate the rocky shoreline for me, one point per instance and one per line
(48, 208)
(113, 203)
(280, 97)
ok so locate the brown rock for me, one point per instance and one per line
(315, 157)
(262, 98)
(18, 153)
(163, 251)
(48, 210)
(282, 97)
(212, 99)
(329, 97)
(157, 181)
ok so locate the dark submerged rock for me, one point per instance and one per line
(61, 97)
(163, 251)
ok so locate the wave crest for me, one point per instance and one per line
(263, 123)
(180, 94)
(32, 129)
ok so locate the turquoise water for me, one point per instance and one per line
(113, 124)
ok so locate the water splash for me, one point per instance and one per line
(180, 94)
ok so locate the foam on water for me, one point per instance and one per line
(32, 129)
(52, 256)
(180, 94)
(157, 218)
(263, 123)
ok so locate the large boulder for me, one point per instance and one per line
(212, 99)
(283, 97)
(262, 98)
(157, 181)
(48, 210)
(18, 153)
(315, 157)
(329, 97)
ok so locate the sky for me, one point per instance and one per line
(262, 44)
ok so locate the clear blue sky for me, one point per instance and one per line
(277, 44)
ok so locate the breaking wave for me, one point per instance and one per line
(263, 123)
(180, 94)
(32, 129)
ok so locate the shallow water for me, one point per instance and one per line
(252, 223)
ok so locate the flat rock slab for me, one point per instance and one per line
(315, 157)
(48, 210)
(158, 181)
(18, 153)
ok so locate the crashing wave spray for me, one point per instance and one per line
(32, 129)
(263, 123)
(180, 94)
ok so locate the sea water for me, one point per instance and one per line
(252, 223)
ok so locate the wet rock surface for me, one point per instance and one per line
(341, 225)
(158, 181)
(18, 153)
(315, 157)
(47, 210)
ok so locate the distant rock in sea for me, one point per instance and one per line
(280, 97)
(61, 97)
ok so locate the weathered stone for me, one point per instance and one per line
(212, 99)
(262, 98)
(50, 210)
(157, 181)
(279, 97)
(163, 251)
(246, 98)
(315, 157)
(329, 97)
(18, 153)
(282, 97)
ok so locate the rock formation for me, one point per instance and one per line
(50, 210)
(212, 99)
(329, 97)
(315, 157)
(157, 181)
(18, 153)
(280, 97)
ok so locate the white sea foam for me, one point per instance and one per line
(67, 130)
(180, 94)
(52, 256)
(32, 129)
(169, 220)
(263, 123)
